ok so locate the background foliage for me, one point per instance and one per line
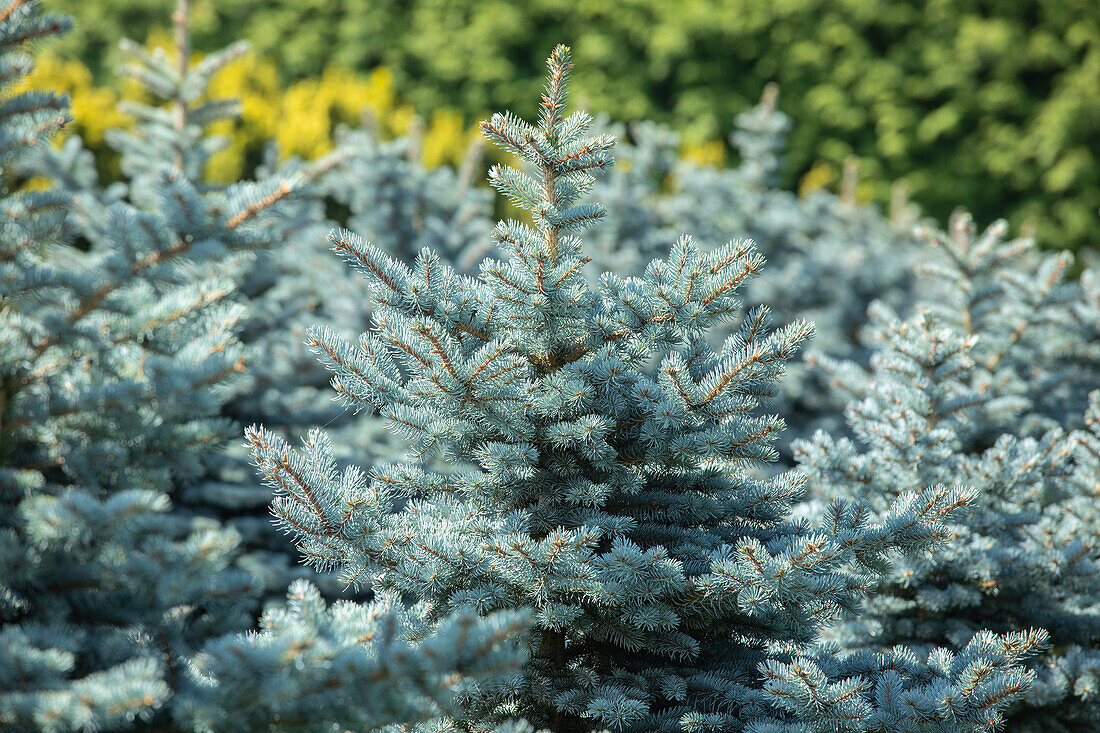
(301, 117)
(992, 104)
(150, 314)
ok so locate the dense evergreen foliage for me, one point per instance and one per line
(115, 357)
(829, 259)
(986, 385)
(557, 487)
(599, 455)
(117, 364)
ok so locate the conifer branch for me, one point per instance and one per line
(12, 7)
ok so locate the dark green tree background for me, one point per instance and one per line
(989, 104)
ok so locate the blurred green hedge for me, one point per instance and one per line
(991, 104)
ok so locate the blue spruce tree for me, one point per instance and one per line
(386, 191)
(266, 274)
(111, 360)
(117, 608)
(828, 258)
(976, 390)
(1037, 329)
(599, 470)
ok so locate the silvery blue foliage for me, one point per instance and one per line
(112, 359)
(286, 281)
(388, 192)
(351, 666)
(828, 258)
(118, 608)
(637, 226)
(258, 273)
(976, 389)
(402, 206)
(598, 458)
(1038, 349)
